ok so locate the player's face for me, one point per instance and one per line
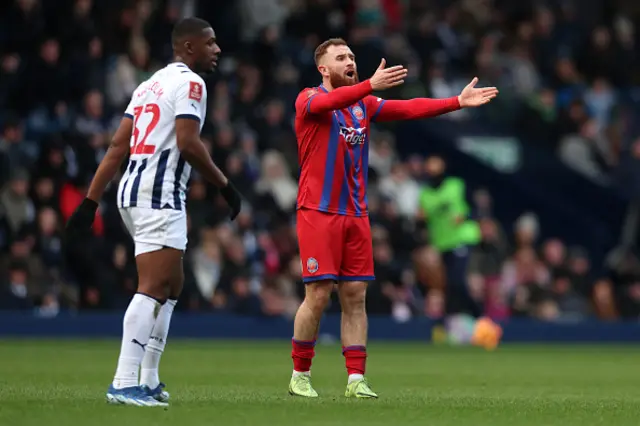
(206, 51)
(339, 64)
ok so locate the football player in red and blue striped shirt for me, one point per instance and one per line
(332, 127)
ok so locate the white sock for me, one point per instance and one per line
(354, 377)
(136, 329)
(301, 373)
(149, 372)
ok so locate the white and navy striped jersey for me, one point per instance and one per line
(157, 175)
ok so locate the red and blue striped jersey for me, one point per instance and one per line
(333, 153)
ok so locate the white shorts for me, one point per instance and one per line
(153, 229)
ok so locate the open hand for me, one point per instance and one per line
(384, 78)
(472, 96)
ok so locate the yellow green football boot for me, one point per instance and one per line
(359, 389)
(301, 386)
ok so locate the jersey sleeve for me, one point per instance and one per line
(129, 112)
(412, 109)
(320, 101)
(374, 106)
(191, 99)
(304, 100)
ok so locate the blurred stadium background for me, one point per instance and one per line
(552, 167)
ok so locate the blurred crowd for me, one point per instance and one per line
(68, 68)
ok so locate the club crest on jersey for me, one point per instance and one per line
(312, 265)
(311, 92)
(358, 113)
(354, 136)
(195, 91)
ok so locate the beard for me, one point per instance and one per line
(340, 80)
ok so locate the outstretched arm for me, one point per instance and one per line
(425, 108)
(342, 97)
(338, 98)
(112, 160)
(392, 110)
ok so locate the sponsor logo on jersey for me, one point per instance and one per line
(311, 92)
(358, 113)
(354, 136)
(312, 265)
(195, 91)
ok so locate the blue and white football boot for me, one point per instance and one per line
(134, 395)
(159, 394)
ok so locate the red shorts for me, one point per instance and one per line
(334, 247)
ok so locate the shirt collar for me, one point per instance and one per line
(178, 64)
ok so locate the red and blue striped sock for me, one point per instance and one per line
(302, 353)
(355, 360)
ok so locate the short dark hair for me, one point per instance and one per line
(322, 49)
(188, 27)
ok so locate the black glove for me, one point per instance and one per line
(82, 218)
(233, 198)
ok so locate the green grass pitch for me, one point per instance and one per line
(245, 383)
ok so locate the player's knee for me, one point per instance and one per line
(154, 289)
(318, 301)
(353, 296)
(175, 289)
(318, 295)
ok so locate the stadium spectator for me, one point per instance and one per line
(15, 294)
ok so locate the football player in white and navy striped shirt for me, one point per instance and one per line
(161, 133)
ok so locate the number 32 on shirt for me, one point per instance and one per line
(139, 145)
